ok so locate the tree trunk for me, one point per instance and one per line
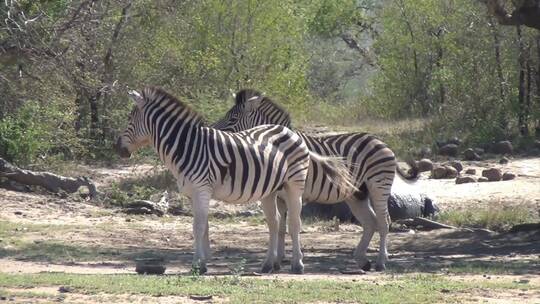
(522, 121)
(442, 89)
(503, 119)
(94, 114)
(537, 128)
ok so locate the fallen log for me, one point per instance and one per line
(424, 223)
(50, 181)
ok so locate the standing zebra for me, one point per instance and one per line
(372, 166)
(236, 168)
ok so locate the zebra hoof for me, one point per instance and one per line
(367, 266)
(297, 269)
(380, 267)
(267, 268)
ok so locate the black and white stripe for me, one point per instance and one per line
(371, 163)
(208, 163)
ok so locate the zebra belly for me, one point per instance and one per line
(225, 192)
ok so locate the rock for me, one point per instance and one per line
(178, 211)
(402, 204)
(220, 215)
(504, 160)
(424, 165)
(508, 176)
(410, 205)
(64, 289)
(454, 140)
(438, 172)
(451, 172)
(247, 213)
(456, 165)
(465, 180)
(492, 174)
(483, 179)
(479, 151)
(150, 266)
(470, 171)
(449, 150)
(469, 154)
(503, 147)
(425, 152)
(18, 213)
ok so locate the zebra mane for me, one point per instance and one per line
(157, 95)
(246, 95)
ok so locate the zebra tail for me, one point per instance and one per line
(337, 170)
(412, 174)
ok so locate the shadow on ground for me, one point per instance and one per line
(438, 251)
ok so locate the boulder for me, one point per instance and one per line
(424, 165)
(438, 172)
(465, 180)
(470, 171)
(456, 165)
(451, 172)
(504, 160)
(402, 204)
(503, 147)
(449, 150)
(454, 140)
(425, 152)
(492, 174)
(469, 154)
(508, 176)
(479, 151)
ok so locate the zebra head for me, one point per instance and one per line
(243, 115)
(136, 134)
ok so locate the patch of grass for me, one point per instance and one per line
(27, 295)
(467, 266)
(390, 289)
(497, 219)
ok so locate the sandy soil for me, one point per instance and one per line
(114, 239)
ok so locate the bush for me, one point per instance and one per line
(36, 132)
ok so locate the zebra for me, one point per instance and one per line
(371, 163)
(238, 168)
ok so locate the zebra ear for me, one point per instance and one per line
(136, 96)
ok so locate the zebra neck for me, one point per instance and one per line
(180, 143)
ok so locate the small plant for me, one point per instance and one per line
(195, 272)
(237, 269)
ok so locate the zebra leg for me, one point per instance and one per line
(365, 215)
(379, 193)
(200, 203)
(272, 220)
(207, 242)
(282, 208)
(294, 208)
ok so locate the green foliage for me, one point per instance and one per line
(35, 132)
(437, 59)
(333, 17)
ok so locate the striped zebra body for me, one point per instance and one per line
(207, 163)
(371, 163)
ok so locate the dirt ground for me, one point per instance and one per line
(113, 240)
